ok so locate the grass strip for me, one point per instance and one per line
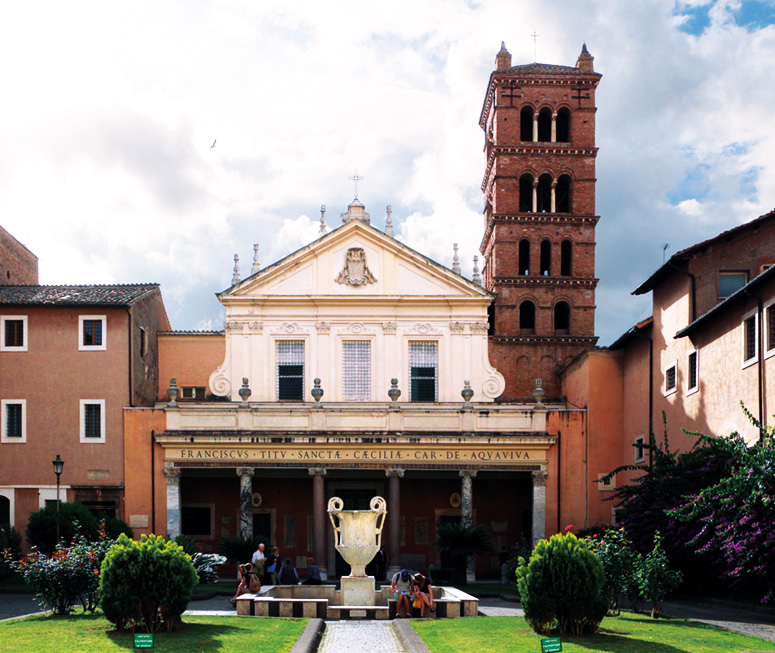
(92, 632)
(629, 633)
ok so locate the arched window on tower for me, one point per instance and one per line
(546, 257)
(562, 318)
(562, 195)
(563, 125)
(526, 193)
(527, 317)
(545, 125)
(544, 193)
(524, 256)
(526, 124)
(566, 258)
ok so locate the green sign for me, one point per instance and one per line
(145, 640)
(551, 645)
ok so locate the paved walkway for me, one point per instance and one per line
(360, 637)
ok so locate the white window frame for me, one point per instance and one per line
(765, 311)
(755, 358)
(83, 438)
(692, 390)
(10, 318)
(669, 391)
(420, 339)
(306, 388)
(3, 406)
(101, 347)
(606, 487)
(640, 445)
(10, 494)
(50, 494)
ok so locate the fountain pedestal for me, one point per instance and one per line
(358, 590)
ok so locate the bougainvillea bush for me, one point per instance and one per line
(146, 584)
(561, 587)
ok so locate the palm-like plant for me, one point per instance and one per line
(462, 540)
(238, 549)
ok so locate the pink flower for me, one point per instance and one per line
(568, 527)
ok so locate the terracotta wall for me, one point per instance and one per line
(18, 265)
(190, 358)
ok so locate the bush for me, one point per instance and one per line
(562, 587)
(10, 548)
(74, 519)
(655, 579)
(462, 541)
(146, 584)
(620, 564)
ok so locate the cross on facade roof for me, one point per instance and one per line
(355, 178)
(535, 45)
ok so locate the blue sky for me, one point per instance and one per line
(110, 109)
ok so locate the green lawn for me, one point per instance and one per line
(630, 633)
(90, 633)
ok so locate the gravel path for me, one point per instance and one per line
(360, 637)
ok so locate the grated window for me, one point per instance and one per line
(356, 370)
(423, 370)
(290, 370)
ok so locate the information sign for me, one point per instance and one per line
(143, 640)
(551, 645)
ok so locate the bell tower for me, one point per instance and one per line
(539, 218)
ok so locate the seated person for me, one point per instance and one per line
(288, 574)
(313, 573)
(402, 586)
(423, 592)
(246, 575)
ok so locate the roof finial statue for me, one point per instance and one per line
(455, 260)
(389, 222)
(323, 227)
(477, 279)
(235, 278)
(586, 62)
(256, 265)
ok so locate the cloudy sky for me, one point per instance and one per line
(110, 109)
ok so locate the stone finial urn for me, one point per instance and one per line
(357, 533)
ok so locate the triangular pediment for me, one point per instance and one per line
(353, 261)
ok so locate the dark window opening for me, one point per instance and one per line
(290, 382)
(526, 193)
(563, 125)
(526, 124)
(524, 257)
(92, 420)
(562, 195)
(14, 333)
(546, 257)
(730, 282)
(5, 511)
(566, 251)
(491, 320)
(750, 338)
(92, 333)
(423, 383)
(13, 420)
(143, 342)
(670, 378)
(527, 316)
(196, 521)
(562, 317)
(423, 370)
(640, 448)
(545, 194)
(545, 125)
(771, 325)
(693, 370)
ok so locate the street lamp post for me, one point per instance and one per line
(59, 465)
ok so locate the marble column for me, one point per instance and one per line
(539, 505)
(319, 519)
(394, 520)
(467, 514)
(172, 474)
(245, 501)
(554, 127)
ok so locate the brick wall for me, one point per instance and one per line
(18, 265)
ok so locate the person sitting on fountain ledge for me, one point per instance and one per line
(288, 574)
(401, 584)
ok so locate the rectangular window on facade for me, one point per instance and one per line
(92, 420)
(670, 379)
(770, 327)
(356, 370)
(750, 339)
(423, 371)
(290, 370)
(640, 449)
(730, 282)
(692, 381)
(14, 333)
(14, 420)
(92, 334)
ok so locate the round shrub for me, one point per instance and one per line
(146, 584)
(74, 519)
(562, 587)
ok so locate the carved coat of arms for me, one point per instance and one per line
(355, 271)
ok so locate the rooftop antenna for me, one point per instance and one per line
(355, 178)
(664, 249)
(535, 46)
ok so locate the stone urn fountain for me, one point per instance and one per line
(358, 536)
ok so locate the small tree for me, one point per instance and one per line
(462, 541)
(239, 549)
(562, 587)
(655, 579)
(74, 519)
(146, 583)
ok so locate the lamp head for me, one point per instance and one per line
(59, 465)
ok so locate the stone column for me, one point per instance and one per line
(394, 520)
(172, 474)
(535, 127)
(554, 127)
(539, 505)
(554, 196)
(245, 501)
(535, 195)
(319, 519)
(467, 514)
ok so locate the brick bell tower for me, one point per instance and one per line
(539, 215)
